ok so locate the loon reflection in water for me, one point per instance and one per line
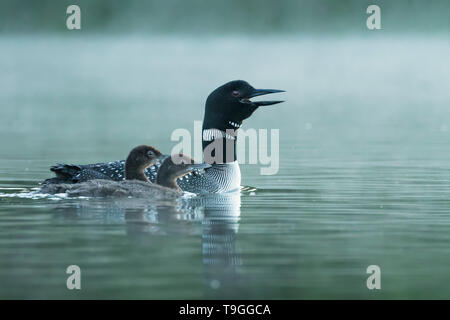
(136, 183)
(225, 109)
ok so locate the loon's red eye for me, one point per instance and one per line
(235, 93)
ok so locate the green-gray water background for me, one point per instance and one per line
(364, 173)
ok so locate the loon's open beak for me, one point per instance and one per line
(261, 92)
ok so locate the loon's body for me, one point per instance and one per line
(225, 109)
(136, 183)
(217, 179)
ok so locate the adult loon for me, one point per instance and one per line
(136, 183)
(225, 110)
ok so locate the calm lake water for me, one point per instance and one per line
(364, 175)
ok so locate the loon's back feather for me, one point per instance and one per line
(114, 170)
(70, 173)
(65, 171)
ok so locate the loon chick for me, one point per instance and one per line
(170, 171)
(136, 183)
(225, 110)
(138, 160)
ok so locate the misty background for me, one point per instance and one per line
(225, 16)
(137, 70)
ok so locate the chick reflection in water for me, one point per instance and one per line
(136, 184)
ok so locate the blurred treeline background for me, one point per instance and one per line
(224, 16)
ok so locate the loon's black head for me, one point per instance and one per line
(230, 104)
(138, 159)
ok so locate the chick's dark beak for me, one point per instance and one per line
(195, 166)
(261, 92)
